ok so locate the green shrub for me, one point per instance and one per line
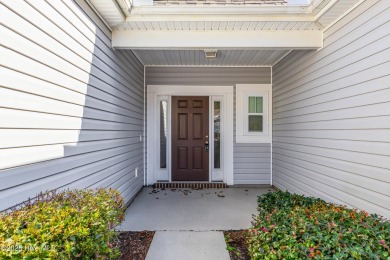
(74, 224)
(290, 226)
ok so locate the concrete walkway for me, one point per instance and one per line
(189, 223)
(188, 245)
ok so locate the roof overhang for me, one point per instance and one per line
(294, 7)
(299, 24)
(112, 12)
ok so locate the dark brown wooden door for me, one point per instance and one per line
(190, 137)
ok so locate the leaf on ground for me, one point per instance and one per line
(134, 245)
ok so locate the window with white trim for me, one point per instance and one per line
(253, 113)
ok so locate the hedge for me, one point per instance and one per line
(74, 224)
(291, 226)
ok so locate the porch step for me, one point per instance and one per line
(190, 185)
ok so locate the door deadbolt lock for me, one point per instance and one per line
(206, 146)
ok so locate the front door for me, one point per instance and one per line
(190, 138)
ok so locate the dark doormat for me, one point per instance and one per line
(190, 185)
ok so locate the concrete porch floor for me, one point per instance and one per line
(192, 210)
(189, 223)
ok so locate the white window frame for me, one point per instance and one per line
(163, 172)
(217, 174)
(243, 92)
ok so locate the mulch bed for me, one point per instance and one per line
(237, 240)
(134, 245)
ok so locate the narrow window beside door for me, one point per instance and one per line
(163, 134)
(217, 134)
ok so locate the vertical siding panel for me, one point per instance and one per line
(72, 108)
(331, 136)
(251, 161)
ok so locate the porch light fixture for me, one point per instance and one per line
(210, 54)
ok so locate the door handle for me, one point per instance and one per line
(206, 146)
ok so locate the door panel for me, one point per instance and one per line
(197, 155)
(183, 126)
(190, 132)
(183, 158)
(197, 123)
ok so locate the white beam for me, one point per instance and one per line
(217, 39)
(298, 2)
(142, 2)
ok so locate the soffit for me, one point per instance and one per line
(218, 26)
(197, 57)
(109, 11)
(338, 10)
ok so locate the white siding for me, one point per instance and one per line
(252, 163)
(331, 114)
(71, 108)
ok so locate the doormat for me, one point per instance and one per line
(190, 185)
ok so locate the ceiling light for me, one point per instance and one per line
(210, 54)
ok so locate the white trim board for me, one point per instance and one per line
(216, 39)
(223, 93)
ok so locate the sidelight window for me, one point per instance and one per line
(163, 133)
(217, 134)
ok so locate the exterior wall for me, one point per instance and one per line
(252, 164)
(331, 114)
(71, 108)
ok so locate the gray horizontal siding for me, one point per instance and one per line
(71, 108)
(252, 163)
(207, 76)
(331, 114)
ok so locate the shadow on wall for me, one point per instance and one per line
(71, 108)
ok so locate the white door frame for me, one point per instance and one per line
(165, 92)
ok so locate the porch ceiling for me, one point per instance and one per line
(197, 57)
